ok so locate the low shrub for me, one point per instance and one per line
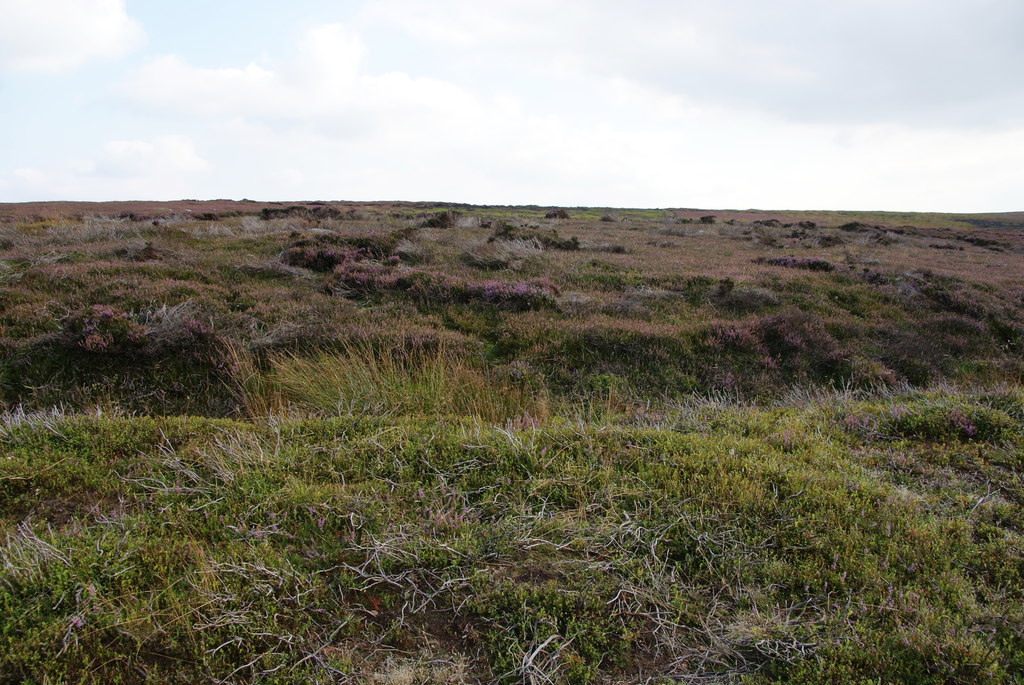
(446, 219)
(535, 293)
(549, 239)
(647, 357)
(323, 252)
(934, 421)
(610, 248)
(103, 329)
(781, 349)
(791, 262)
(319, 257)
(947, 293)
(430, 287)
(830, 241)
(803, 338)
(140, 253)
(318, 212)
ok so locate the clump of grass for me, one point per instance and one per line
(10, 273)
(177, 328)
(414, 251)
(502, 254)
(364, 378)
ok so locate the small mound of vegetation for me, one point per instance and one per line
(549, 239)
(360, 279)
(324, 251)
(316, 212)
(502, 254)
(446, 219)
(791, 262)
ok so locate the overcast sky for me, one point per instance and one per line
(775, 104)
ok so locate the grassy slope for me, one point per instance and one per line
(476, 475)
(831, 542)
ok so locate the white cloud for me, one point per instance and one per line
(171, 154)
(918, 62)
(162, 167)
(60, 35)
(324, 85)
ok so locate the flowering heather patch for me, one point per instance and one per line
(325, 251)
(791, 262)
(939, 423)
(535, 293)
(427, 287)
(320, 258)
(257, 290)
(365, 278)
(723, 336)
(792, 344)
(945, 420)
(103, 328)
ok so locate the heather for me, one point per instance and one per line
(395, 442)
(662, 304)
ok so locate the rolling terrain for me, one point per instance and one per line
(427, 442)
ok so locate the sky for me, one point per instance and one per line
(901, 105)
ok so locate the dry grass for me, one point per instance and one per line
(361, 378)
(502, 254)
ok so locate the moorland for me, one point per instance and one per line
(427, 442)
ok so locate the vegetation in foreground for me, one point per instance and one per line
(387, 444)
